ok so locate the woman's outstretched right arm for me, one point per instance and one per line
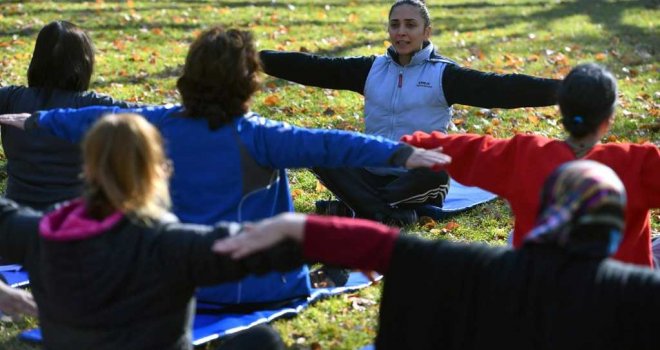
(354, 243)
(339, 73)
(72, 124)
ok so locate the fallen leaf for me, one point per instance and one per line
(295, 193)
(600, 56)
(452, 225)
(272, 100)
(533, 119)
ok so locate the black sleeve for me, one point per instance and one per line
(5, 97)
(18, 231)
(93, 99)
(490, 90)
(188, 247)
(340, 73)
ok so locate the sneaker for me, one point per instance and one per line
(329, 277)
(334, 208)
(400, 217)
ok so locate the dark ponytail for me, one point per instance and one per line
(587, 97)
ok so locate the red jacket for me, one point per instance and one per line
(516, 169)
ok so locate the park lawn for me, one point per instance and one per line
(141, 46)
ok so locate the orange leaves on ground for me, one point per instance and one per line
(451, 226)
(533, 119)
(157, 31)
(296, 193)
(459, 121)
(272, 100)
(319, 187)
(511, 61)
(119, 44)
(431, 225)
(427, 222)
(476, 52)
(353, 18)
(612, 138)
(600, 56)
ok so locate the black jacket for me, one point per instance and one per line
(43, 169)
(130, 287)
(443, 295)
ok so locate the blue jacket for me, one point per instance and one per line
(236, 172)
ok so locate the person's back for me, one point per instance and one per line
(559, 291)
(481, 297)
(43, 170)
(111, 270)
(517, 167)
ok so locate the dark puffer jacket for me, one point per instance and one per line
(119, 284)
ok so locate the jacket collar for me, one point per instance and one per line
(427, 52)
(71, 223)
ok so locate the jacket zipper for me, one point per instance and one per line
(395, 101)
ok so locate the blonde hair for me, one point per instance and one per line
(125, 168)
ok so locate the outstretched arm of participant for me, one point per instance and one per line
(14, 119)
(279, 145)
(16, 301)
(477, 160)
(359, 244)
(650, 174)
(341, 73)
(72, 124)
(490, 90)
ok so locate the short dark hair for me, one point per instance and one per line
(220, 76)
(63, 58)
(587, 96)
(420, 4)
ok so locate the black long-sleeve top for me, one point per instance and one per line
(461, 85)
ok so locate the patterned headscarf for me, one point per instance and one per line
(582, 208)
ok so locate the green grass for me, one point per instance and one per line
(142, 44)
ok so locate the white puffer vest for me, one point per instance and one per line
(400, 100)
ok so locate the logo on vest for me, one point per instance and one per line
(424, 84)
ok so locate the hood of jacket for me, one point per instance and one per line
(71, 223)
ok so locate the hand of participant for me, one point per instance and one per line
(431, 158)
(16, 301)
(15, 119)
(262, 235)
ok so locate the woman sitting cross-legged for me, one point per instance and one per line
(559, 291)
(113, 269)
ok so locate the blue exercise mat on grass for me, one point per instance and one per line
(459, 198)
(211, 326)
(14, 275)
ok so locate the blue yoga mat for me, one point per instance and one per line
(14, 275)
(459, 199)
(208, 327)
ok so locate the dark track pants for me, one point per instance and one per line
(376, 197)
